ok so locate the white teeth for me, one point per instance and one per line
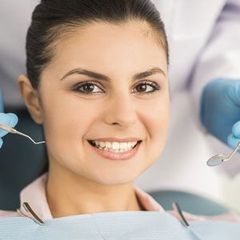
(115, 146)
(124, 145)
(108, 145)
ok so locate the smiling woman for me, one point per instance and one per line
(97, 80)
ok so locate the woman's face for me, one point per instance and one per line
(106, 83)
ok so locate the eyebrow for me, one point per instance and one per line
(100, 76)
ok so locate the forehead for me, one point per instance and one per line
(101, 45)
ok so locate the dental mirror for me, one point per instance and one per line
(220, 158)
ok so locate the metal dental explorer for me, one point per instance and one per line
(14, 131)
(220, 158)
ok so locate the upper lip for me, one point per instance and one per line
(116, 139)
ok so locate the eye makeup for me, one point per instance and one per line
(91, 85)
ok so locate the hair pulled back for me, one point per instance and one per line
(52, 18)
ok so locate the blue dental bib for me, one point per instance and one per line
(149, 225)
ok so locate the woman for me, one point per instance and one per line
(91, 79)
(97, 81)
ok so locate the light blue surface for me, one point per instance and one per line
(216, 230)
(107, 226)
(116, 226)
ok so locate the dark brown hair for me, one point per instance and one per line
(52, 18)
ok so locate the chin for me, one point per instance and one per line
(116, 178)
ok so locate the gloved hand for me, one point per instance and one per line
(9, 119)
(220, 110)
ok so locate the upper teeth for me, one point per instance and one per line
(120, 146)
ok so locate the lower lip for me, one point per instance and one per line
(117, 156)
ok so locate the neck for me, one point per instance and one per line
(70, 194)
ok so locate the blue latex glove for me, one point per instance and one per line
(9, 119)
(220, 110)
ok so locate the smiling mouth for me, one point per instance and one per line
(115, 150)
(93, 143)
(110, 147)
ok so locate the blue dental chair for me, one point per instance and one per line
(21, 162)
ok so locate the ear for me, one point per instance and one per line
(31, 98)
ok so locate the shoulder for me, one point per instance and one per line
(8, 214)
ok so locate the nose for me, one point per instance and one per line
(120, 110)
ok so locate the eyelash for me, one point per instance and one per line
(92, 83)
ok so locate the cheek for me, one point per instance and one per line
(157, 122)
(159, 125)
(66, 118)
(156, 113)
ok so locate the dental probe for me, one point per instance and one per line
(14, 131)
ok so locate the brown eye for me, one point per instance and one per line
(147, 87)
(87, 88)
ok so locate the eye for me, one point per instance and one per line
(147, 87)
(87, 88)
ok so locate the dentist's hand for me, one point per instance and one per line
(220, 110)
(9, 119)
